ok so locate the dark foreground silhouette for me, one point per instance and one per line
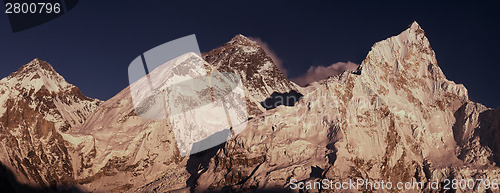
(9, 183)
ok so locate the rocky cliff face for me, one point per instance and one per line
(259, 75)
(397, 119)
(53, 135)
(37, 107)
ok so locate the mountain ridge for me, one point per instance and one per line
(38, 106)
(397, 118)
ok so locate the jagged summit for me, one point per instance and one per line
(242, 40)
(239, 37)
(37, 63)
(415, 29)
(414, 25)
(260, 76)
(411, 43)
(35, 66)
(35, 75)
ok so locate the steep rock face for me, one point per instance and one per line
(260, 76)
(489, 132)
(397, 114)
(476, 130)
(402, 104)
(38, 105)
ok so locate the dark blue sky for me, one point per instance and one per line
(93, 44)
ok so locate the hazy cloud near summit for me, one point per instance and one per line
(315, 73)
(276, 60)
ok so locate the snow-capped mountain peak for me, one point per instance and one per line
(241, 40)
(37, 107)
(415, 26)
(257, 70)
(37, 75)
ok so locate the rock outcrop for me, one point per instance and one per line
(38, 108)
(396, 119)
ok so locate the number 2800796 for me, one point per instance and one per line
(29, 8)
(470, 184)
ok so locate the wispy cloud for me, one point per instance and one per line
(276, 60)
(315, 73)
